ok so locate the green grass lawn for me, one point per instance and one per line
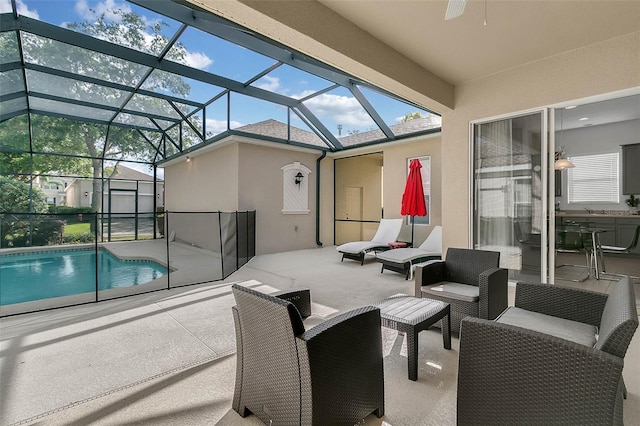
(77, 229)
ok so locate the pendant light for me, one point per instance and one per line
(561, 162)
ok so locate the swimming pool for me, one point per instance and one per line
(26, 277)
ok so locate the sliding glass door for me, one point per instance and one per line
(509, 181)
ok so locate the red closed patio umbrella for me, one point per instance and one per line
(413, 198)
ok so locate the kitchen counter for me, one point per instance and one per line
(618, 230)
(585, 214)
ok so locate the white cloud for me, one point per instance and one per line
(198, 60)
(342, 109)
(218, 126)
(23, 9)
(303, 94)
(106, 7)
(269, 83)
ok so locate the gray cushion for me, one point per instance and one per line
(572, 331)
(464, 292)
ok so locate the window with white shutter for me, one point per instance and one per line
(594, 179)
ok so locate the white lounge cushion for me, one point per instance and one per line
(388, 231)
(403, 255)
(356, 247)
(431, 247)
(433, 243)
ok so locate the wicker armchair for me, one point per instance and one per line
(469, 280)
(556, 357)
(330, 374)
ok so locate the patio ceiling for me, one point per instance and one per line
(182, 79)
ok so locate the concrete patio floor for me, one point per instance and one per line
(168, 357)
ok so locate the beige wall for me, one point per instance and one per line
(243, 176)
(394, 177)
(261, 188)
(363, 173)
(209, 182)
(598, 69)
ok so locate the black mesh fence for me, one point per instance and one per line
(54, 260)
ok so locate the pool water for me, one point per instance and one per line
(26, 277)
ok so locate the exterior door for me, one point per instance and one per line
(509, 181)
(354, 212)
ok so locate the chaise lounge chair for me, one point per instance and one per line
(387, 232)
(402, 259)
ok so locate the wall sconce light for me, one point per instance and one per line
(188, 159)
(86, 193)
(298, 179)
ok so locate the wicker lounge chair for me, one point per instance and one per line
(387, 232)
(402, 259)
(331, 374)
(469, 280)
(554, 358)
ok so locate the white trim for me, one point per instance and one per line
(296, 211)
(231, 139)
(544, 175)
(551, 213)
(352, 152)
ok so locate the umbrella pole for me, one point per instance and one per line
(413, 222)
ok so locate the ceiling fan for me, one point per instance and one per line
(455, 8)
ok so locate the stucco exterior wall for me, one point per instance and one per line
(209, 182)
(394, 177)
(260, 188)
(598, 69)
(362, 174)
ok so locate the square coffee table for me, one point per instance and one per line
(412, 315)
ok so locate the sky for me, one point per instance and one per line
(206, 52)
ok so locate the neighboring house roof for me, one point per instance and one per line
(404, 128)
(277, 129)
(124, 172)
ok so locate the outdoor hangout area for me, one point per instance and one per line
(157, 359)
(293, 213)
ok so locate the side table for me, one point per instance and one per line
(412, 315)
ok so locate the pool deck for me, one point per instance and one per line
(168, 357)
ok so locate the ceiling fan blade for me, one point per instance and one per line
(455, 8)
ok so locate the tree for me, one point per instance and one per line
(18, 229)
(85, 145)
(15, 196)
(411, 116)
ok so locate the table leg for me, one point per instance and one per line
(594, 243)
(603, 268)
(446, 329)
(412, 354)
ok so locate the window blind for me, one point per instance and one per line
(594, 178)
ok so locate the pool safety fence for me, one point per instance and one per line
(70, 259)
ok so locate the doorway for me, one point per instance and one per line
(358, 197)
(509, 181)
